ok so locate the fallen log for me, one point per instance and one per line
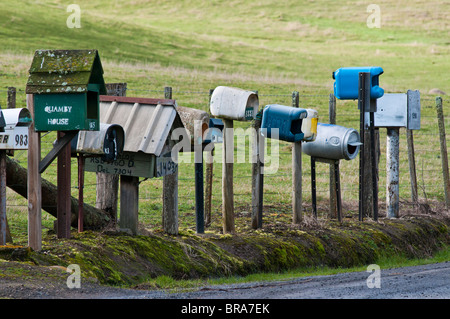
(16, 179)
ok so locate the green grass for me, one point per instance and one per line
(385, 262)
(275, 48)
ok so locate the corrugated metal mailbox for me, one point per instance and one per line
(234, 103)
(106, 143)
(14, 132)
(347, 79)
(288, 123)
(66, 85)
(148, 125)
(333, 142)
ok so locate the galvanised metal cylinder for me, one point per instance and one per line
(333, 142)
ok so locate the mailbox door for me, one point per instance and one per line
(64, 112)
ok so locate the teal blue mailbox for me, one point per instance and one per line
(346, 82)
(284, 120)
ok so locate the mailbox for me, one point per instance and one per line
(234, 103)
(398, 110)
(14, 134)
(346, 83)
(196, 123)
(287, 120)
(333, 142)
(66, 85)
(107, 143)
(214, 134)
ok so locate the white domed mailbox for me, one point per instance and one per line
(234, 103)
(229, 104)
(333, 142)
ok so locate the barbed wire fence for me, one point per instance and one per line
(277, 186)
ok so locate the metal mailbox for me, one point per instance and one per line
(148, 125)
(284, 120)
(214, 134)
(333, 142)
(66, 85)
(234, 103)
(347, 79)
(14, 134)
(107, 143)
(398, 110)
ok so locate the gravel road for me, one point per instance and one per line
(419, 282)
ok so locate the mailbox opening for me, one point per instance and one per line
(92, 105)
(296, 126)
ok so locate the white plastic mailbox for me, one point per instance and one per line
(15, 135)
(234, 103)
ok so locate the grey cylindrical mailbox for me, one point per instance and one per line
(333, 142)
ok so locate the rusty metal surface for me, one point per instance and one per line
(147, 123)
(64, 71)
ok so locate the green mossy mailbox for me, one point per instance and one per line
(66, 85)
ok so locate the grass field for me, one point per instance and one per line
(275, 48)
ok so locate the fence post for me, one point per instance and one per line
(34, 183)
(257, 174)
(297, 215)
(11, 104)
(412, 166)
(227, 177)
(208, 180)
(333, 199)
(444, 155)
(392, 174)
(108, 184)
(170, 193)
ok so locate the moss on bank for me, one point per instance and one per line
(117, 258)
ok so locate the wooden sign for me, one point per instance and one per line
(133, 164)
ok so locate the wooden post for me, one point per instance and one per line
(257, 175)
(208, 180)
(412, 166)
(199, 200)
(170, 193)
(392, 174)
(108, 184)
(129, 203)
(11, 98)
(34, 183)
(64, 181)
(333, 199)
(227, 178)
(444, 155)
(81, 161)
(297, 215)
(3, 220)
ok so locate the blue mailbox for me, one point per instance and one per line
(347, 79)
(286, 119)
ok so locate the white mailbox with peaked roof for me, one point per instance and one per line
(148, 125)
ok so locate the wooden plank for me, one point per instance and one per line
(64, 181)
(34, 183)
(257, 175)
